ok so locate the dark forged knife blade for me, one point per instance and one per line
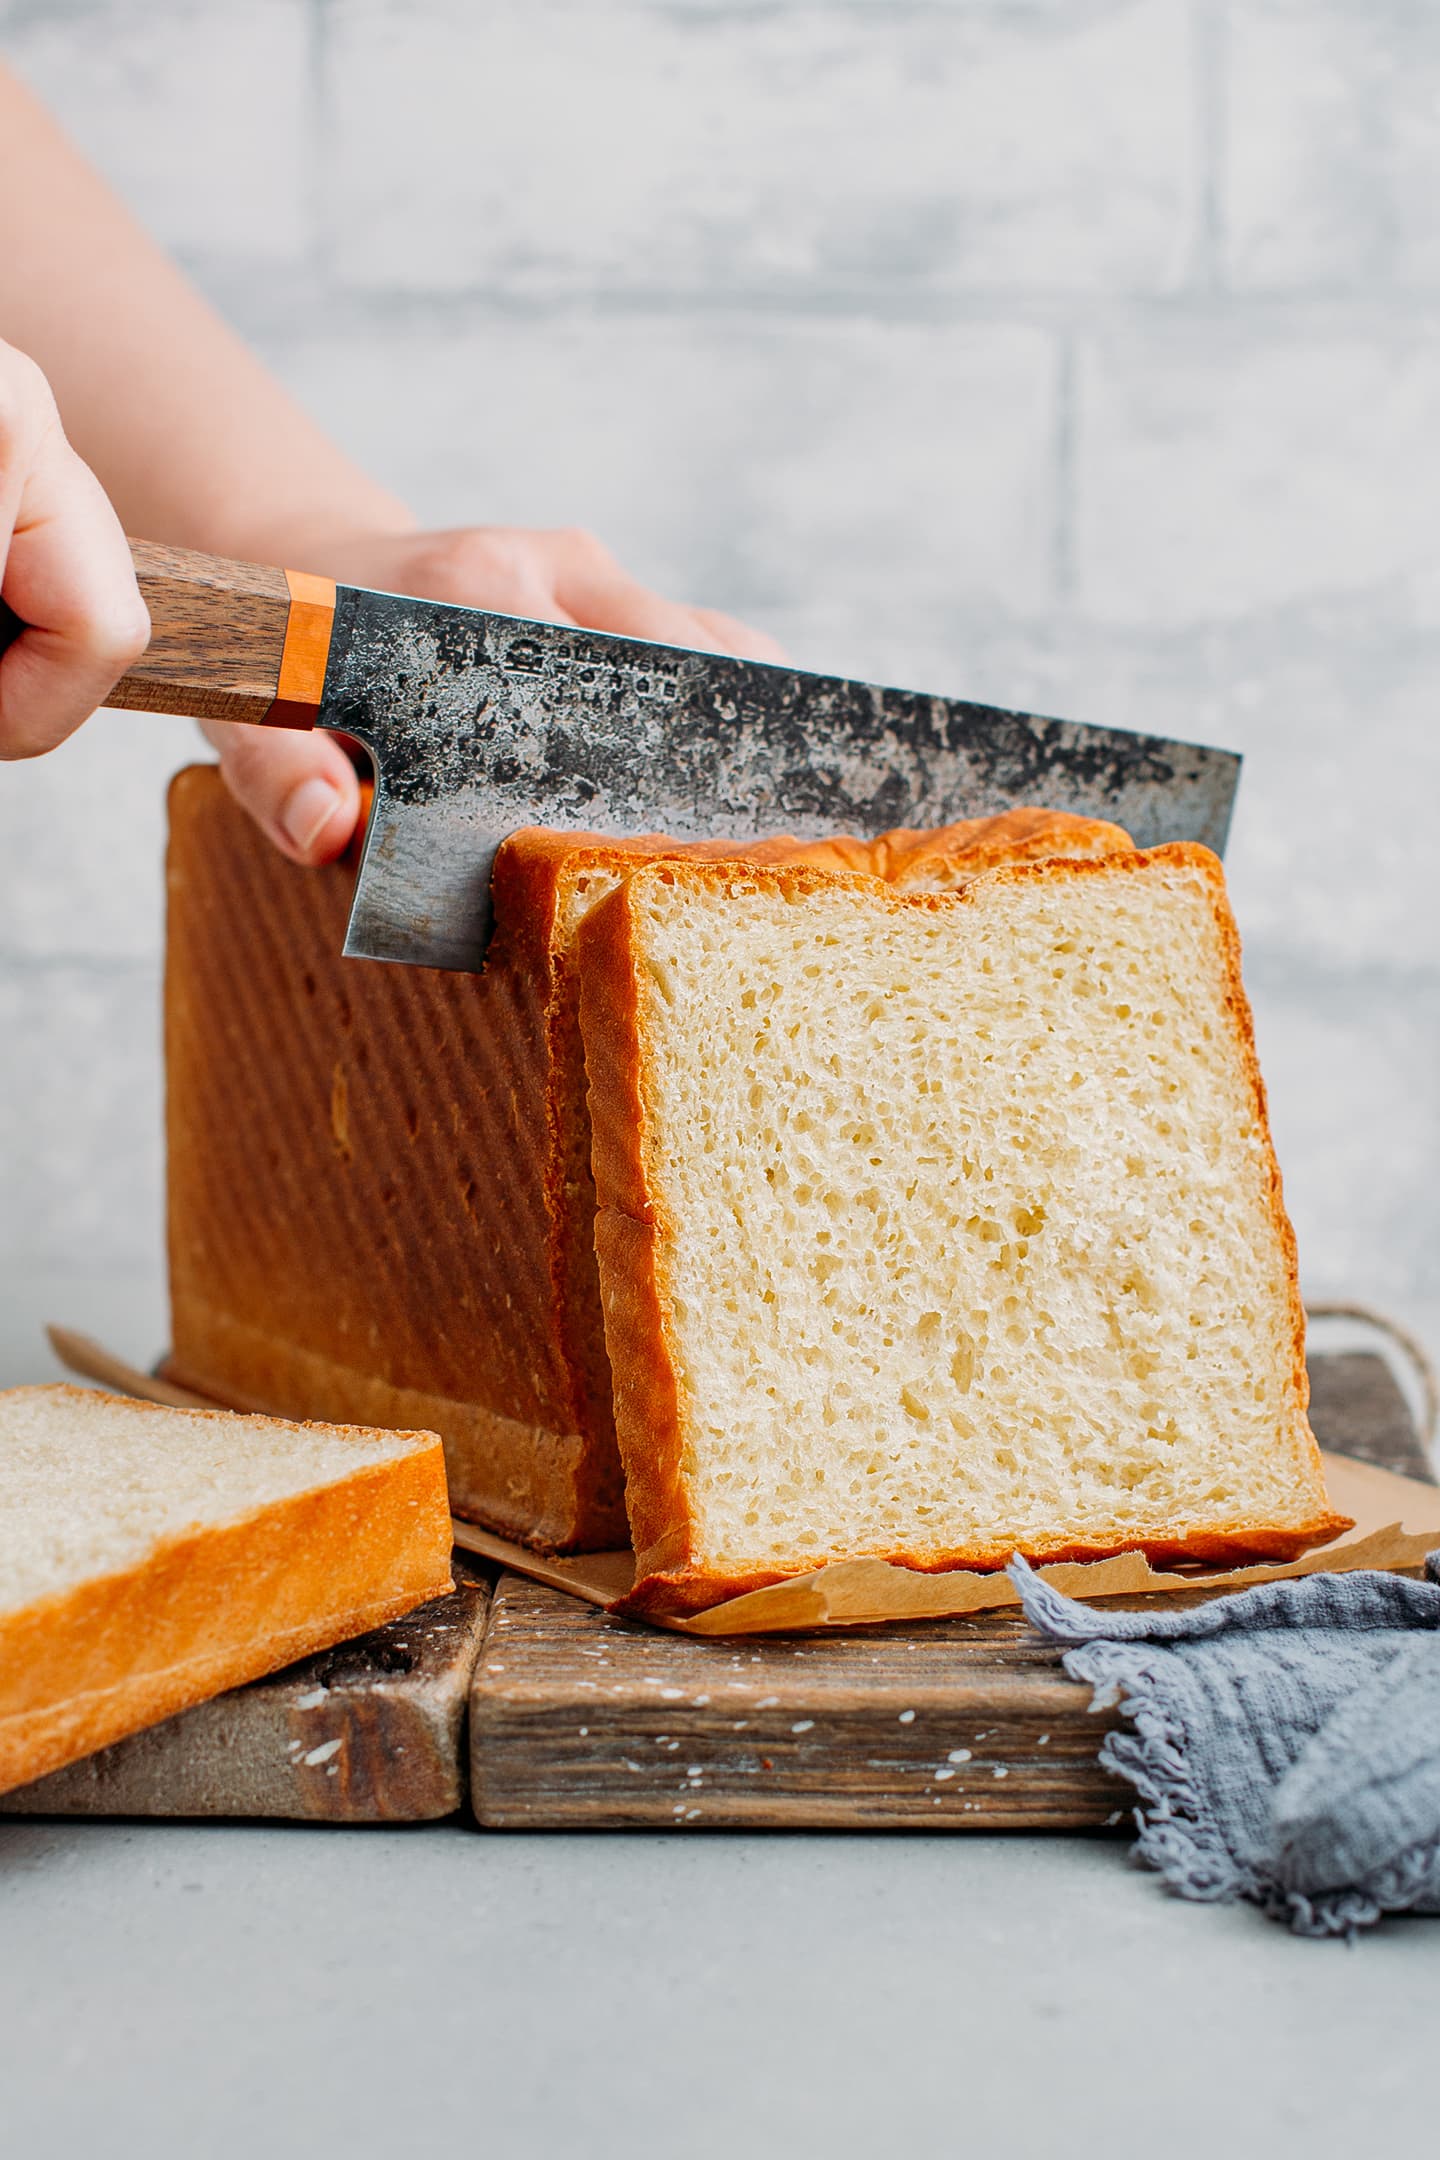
(480, 723)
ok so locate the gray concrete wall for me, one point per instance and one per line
(1077, 354)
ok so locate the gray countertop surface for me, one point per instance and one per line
(250, 1989)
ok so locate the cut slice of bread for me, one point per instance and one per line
(151, 1558)
(380, 1199)
(939, 1227)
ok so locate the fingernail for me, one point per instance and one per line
(308, 810)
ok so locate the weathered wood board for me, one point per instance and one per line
(579, 1721)
(372, 1731)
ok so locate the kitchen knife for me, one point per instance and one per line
(478, 723)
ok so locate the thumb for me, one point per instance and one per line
(301, 789)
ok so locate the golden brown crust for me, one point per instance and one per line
(670, 1579)
(904, 857)
(358, 1210)
(214, 1607)
(527, 1482)
(636, 1307)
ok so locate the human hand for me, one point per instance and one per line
(65, 571)
(302, 789)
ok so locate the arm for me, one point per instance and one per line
(194, 443)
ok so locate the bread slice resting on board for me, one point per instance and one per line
(151, 1558)
(939, 1226)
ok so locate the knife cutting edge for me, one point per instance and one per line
(479, 723)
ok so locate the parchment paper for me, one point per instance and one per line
(1397, 1522)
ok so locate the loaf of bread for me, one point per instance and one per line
(938, 1228)
(151, 1558)
(380, 1199)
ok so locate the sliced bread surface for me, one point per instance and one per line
(940, 1227)
(150, 1558)
(380, 1200)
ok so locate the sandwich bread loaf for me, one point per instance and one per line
(380, 1200)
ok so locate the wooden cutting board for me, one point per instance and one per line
(578, 1721)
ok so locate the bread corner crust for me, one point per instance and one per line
(212, 1608)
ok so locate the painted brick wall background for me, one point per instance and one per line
(1077, 354)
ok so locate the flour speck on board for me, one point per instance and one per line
(907, 1717)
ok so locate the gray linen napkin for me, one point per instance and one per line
(1286, 1739)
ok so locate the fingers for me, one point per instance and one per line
(484, 566)
(594, 589)
(562, 576)
(740, 638)
(301, 790)
(65, 569)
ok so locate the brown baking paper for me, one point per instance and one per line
(1397, 1522)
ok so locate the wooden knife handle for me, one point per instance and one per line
(228, 640)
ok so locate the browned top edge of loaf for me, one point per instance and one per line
(532, 861)
(632, 1223)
